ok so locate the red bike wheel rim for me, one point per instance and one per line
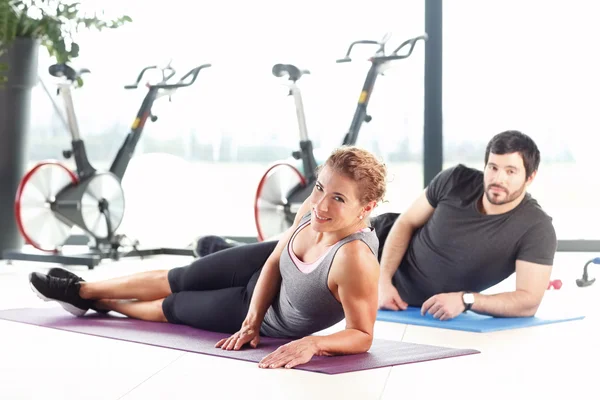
(261, 184)
(18, 198)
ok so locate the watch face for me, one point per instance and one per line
(469, 298)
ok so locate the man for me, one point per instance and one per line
(466, 232)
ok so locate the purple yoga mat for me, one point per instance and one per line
(383, 353)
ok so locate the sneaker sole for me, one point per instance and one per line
(78, 312)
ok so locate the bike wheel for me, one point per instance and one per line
(271, 207)
(103, 187)
(38, 224)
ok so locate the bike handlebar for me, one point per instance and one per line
(163, 85)
(380, 53)
(140, 75)
(347, 57)
(193, 72)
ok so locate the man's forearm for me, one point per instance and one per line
(394, 248)
(509, 304)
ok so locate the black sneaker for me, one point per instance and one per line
(206, 245)
(63, 273)
(65, 291)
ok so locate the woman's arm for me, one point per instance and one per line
(355, 272)
(354, 276)
(269, 280)
(266, 288)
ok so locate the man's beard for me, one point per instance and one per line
(508, 197)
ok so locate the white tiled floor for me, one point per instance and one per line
(38, 363)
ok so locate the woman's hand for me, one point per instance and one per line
(291, 354)
(249, 333)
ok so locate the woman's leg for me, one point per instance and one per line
(144, 286)
(225, 269)
(228, 268)
(145, 310)
(221, 310)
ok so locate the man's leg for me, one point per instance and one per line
(383, 224)
(206, 245)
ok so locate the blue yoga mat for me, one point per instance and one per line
(469, 321)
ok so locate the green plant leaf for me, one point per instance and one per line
(54, 22)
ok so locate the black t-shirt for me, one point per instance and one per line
(459, 248)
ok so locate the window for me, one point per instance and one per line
(521, 65)
(237, 119)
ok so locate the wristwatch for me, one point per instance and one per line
(468, 299)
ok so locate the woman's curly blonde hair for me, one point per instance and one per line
(363, 167)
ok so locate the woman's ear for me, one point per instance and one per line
(370, 206)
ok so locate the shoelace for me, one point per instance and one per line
(64, 285)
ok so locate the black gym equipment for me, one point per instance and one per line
(584, 281)
(287, 183)
(51, 199)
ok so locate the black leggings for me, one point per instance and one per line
(214, 292)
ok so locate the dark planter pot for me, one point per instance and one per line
(15, 114)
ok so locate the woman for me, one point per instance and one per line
(322, 270)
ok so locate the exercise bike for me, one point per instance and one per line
(286, 184)
(585, 280)
(51, 199)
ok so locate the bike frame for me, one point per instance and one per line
(309, 163)
(125, 152)
(82, 164)
(360, 113)
(378, 63)
(127, 149)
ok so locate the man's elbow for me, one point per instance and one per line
(529, 308)
(405, 224)
(528, 312)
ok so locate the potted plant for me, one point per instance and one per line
(50, 23)
(25, 25)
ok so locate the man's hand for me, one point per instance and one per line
(389, 298)
(444, 306)
(291, 354)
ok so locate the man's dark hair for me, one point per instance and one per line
(515, 142)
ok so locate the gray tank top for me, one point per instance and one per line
(304, 304)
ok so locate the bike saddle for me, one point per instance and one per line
(60, 70)
(295, 73)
